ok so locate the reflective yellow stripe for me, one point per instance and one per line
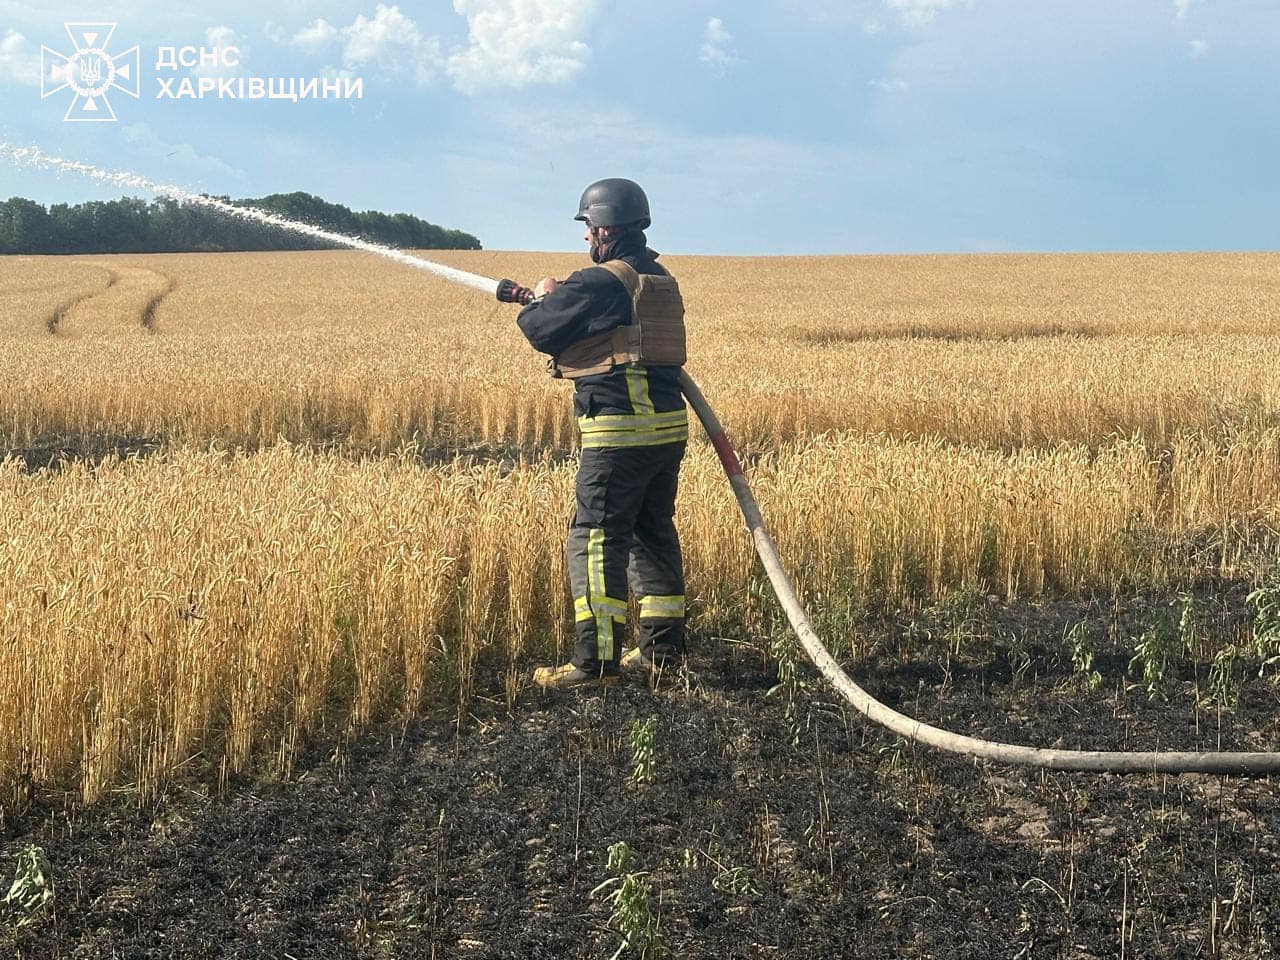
(638, 389)
(624, 418)
(672, 606)
(624, 421)
(597, 604)
(595, 564)
(585, 608)
(637, 430)
(651, 438)
(610, 612)
(595, 590)
(604, 637)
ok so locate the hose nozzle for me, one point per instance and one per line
(511, 292)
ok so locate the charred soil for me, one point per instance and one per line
(766, 832)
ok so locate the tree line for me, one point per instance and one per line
(132, 225)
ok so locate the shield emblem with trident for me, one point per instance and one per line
(90, 71)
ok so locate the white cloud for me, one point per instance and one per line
(510, 43)
(388, 40)
(873, 27)
(917, 12)
(716, 42)
(1198, 48)
(339, 73)
(1182, 7)
(315, 37)
(889, 85)
(184, 156)
(19, 63)
(220, 38)
(515, 43)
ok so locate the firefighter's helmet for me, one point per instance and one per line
(613, 203)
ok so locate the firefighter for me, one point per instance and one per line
(633, 426)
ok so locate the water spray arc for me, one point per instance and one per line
(510, 292)
(33, 156)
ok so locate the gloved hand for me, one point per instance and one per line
(545, 286)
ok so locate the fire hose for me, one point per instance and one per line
(508, 291)
(1101, 761)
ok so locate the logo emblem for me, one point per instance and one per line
(89, 71)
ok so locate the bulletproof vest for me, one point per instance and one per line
(655, 335)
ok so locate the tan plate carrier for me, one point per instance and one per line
(655, 335)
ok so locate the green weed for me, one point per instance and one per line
(628, 894)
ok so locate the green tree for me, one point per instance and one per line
(131, 225)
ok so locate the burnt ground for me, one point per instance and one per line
(763, 834)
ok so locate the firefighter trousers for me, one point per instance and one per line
(624, 533)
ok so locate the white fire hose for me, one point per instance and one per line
(899, 723)
(507, 291)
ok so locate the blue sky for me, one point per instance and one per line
(865, 126)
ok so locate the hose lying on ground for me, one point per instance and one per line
(510, 292)
(873, 709)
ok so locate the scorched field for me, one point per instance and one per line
(282, 538)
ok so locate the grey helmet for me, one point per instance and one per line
(614, 202)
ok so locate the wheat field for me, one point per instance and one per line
(1011, 351)
(363, 475)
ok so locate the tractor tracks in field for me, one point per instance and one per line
(128, 303)
(54, 320)
(148, 318)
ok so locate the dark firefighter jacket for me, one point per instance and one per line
(593, 301)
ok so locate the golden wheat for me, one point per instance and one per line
(918, 425)
(339, 347)
(210, 607)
